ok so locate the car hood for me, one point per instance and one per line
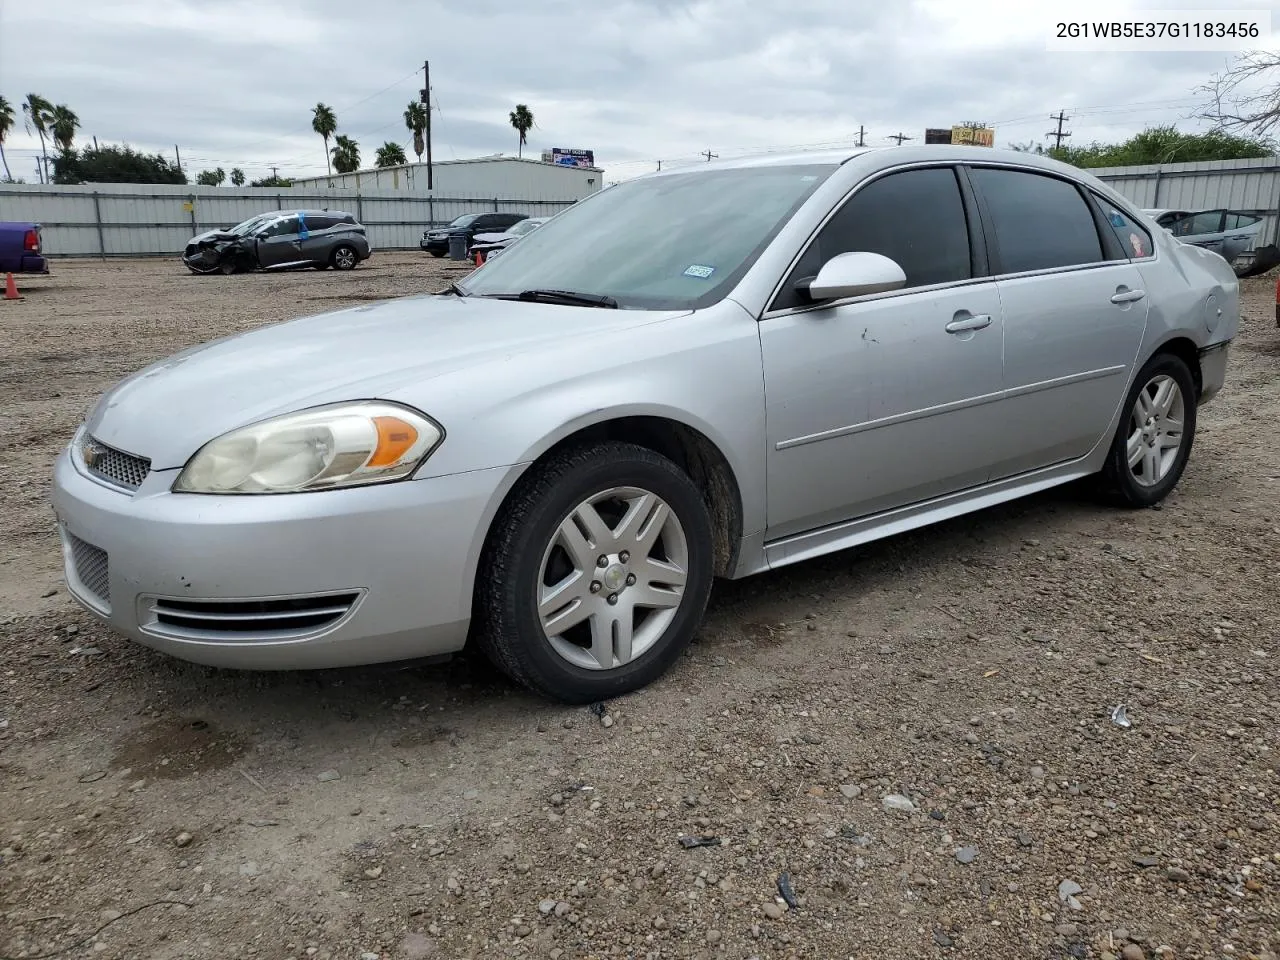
(493, 237)
(170, 409)
(212, 235)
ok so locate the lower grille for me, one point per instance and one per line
(89, 564)
(280, 619)
(115, 466)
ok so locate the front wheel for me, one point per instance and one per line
(596, 573)
(344, 258)
(1153, 441)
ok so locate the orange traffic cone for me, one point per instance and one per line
(479, 258)
(10, 288)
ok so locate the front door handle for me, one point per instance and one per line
(971, 322)
(1128, 296)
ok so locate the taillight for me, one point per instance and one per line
(31, 242)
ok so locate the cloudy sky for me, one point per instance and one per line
(232, 82)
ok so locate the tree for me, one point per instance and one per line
(324, 122)
(415, 120)
(211, 178)
(346, 154)
(1029, 147)
(272, 181)
(1163, 145)
(6, 124)
(109, 164)
(1245, 98)
(237, 177)
(391, 155)
(63, 126)
(522, 120)
(39, 115)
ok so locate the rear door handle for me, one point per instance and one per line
(1128, 296)
(961, 324)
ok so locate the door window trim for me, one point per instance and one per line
(977, 240)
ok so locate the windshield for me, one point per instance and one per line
(240, 229)
(671, 241)
(523, 227)
(464, 221)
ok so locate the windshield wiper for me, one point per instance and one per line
(568, 296)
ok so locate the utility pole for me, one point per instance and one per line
(273, 174)
(708, 154)
(899, 136)
(659, 164)
(177, 156)
(861, 135)
(426, 98)
(1059, 135)
(95, 143)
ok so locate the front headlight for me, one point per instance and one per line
(344, 445)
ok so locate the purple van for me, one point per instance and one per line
(20, 248)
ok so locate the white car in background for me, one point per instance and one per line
(491, 244)
(1228, 233)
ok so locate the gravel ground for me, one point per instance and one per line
(911, 742)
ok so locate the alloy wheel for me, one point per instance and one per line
(612, 579)
(1156, 430)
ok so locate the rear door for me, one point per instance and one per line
(1075, 310)
(315, 237)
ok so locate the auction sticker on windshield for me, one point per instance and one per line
(698, 270)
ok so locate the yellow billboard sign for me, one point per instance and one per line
(974, 136)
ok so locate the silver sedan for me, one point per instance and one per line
(699, 373)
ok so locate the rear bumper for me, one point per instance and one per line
(1213, 369)
(32, 263)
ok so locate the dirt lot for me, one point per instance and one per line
(441, 813)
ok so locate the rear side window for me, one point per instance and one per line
(916, 218)
(1237, 220)
(1133, 237)
(319, 221)
(1040, 222)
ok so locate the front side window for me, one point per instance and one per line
(463, 221)
(671, 241)
(1133, 237)
(282, 228)
(915, 218)
(1040, 222)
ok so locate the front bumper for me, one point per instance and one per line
(435, 244)
(379, 573)
(1213, 369)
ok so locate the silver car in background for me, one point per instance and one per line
(699, 373)
(281, 240)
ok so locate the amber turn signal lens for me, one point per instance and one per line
(395, 437)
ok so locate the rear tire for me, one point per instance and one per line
(551, 617)
(1155, 435)
(344, 258)
(436, 253)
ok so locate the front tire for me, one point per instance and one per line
(596, 573)
(1156, 432)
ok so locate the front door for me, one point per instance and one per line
(1075, 311)
(881, 401)
(280, 244)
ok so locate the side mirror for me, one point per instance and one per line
(854, 275)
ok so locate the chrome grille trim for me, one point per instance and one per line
(238, 621)
(113, 466)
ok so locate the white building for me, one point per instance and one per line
(483, 178)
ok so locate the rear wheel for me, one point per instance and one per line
(344, 258)
(596, 574)
(1153, 441)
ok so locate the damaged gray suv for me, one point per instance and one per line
(282, 239)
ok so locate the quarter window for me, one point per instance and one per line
(1133, 237)
(1040, 222)
(916, 218)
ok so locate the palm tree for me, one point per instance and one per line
(415, 119)
(324, 122)
(237, 177)
(390, 155)
(522, 120)
(63, 126)
(39, 114)
(6, 124)
(212, 178)
(346, 154)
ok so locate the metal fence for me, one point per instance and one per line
(1252, 186)
(127, 220)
